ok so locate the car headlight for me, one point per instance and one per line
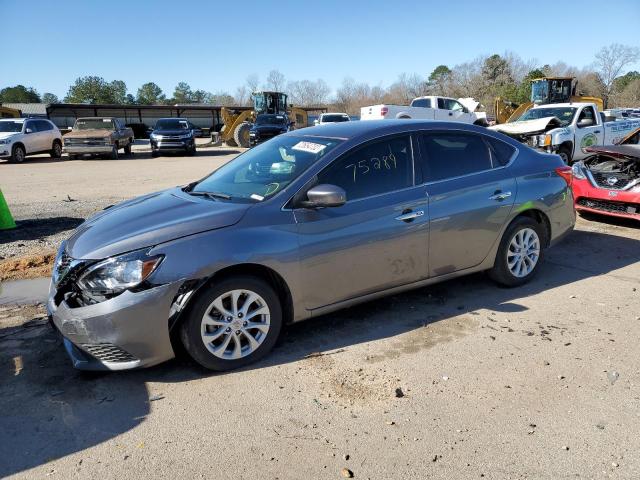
(187, 135)
(6, 141)
(577, 170)
(115, 275)
(153, 136)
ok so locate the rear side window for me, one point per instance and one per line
(380, 167)
(501, 152)
(421, 102)
(448, 155)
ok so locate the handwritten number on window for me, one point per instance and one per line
(363, 167)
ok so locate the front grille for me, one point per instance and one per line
(611, 180)
(169, 137)
(609, 206)
(85, 141)
(107, 352)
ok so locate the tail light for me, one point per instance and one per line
(565, 173)
(384, 111)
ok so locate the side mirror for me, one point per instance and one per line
(325, 196)
(585, 122)
(28, 130)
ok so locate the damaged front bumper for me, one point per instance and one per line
(124, 332)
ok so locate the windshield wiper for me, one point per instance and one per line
(213, 195)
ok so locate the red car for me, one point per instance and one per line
(608, 182)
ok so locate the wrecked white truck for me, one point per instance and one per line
(566, 129)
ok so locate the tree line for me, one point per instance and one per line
(483, 78)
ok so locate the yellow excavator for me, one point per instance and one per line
(237, 123)
(6, 112)
(543, 91)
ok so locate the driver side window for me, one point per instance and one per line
(380, 167)
(589, 115)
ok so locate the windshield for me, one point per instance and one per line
(270, 119)
(172, 124)
(266, 169)
(94, 123)
(564, 114)
(540, 91)
(11, 126)
(334, 118)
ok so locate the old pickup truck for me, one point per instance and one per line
(567, 129)
(429, 108)
(98, 136)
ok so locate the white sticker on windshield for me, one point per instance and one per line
(257, 197)
(106, 120)
(309, 147)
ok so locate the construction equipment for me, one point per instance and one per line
(6, 112)
(237, 123)
(544, 90)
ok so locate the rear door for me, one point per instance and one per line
(471, 193)
(46, 134)
(378, 239)
(586, 136)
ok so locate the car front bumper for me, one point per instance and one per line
(172, 144)
(87, 149)
(128, 331)
(617, 203)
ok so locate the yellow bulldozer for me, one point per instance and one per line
(237, 123)
(544, 90)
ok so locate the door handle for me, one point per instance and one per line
(597, 131)
(499, 196)
(410, 216)
(450, 114)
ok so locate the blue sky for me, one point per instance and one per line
(215, 45)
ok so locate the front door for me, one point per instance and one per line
(32, 140)
(471, 194)
(378, 239)
(586, 136)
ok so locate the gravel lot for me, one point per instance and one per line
(458, 380)
(48, 197)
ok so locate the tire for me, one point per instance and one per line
(154, 154)
(241, 135)
(18, 154)
(511, 276)
(565, 154)
(73, 156)
(225, 340)
(191, 151)
(231, 143)
(114, 152)
(127, 148)
(56, 149)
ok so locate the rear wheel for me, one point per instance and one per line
(519, 253)
(17, 154)
(241, 135)
(232, 323)
(56, 149)
(73, 156)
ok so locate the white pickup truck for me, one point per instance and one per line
(567, 129)
(429, 108)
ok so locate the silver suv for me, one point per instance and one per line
(20, 137)
(306, 223)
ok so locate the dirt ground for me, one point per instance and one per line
(458, 380)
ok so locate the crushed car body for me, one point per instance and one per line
(608, 181)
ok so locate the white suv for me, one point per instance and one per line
(20, 137)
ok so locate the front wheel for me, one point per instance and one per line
(17, 154)
(232, 323)
(114, 152)
(127, 148)
(565, 155)
(519, 253)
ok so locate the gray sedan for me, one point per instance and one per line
(305, 224)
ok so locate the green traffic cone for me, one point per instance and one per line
(6, 220)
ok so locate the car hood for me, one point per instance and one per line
(268, 128)
(4, 135)
(630, 152)
(527, 126)
(89, 133)
(150, 220)
(171, 132)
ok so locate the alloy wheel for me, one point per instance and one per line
(523, 252)
(235, 324)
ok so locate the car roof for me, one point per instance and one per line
(375, 128)
(14, 119)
